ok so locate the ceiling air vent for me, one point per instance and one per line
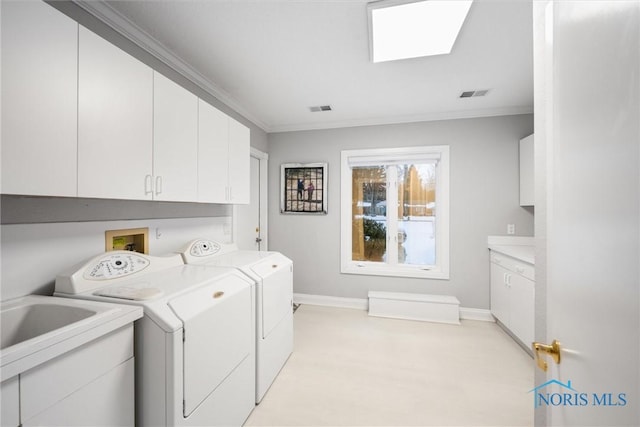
(474, 93)
(320, 108)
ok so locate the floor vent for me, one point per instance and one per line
(320, 108)
(474, 93)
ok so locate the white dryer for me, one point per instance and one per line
(273, 274)
(195, 347)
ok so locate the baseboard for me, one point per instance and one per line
(476, 314)
(341, 302)
(363, 304)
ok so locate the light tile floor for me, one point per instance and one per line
(349, 369)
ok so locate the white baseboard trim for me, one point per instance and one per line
(363, 304)
(476, 314)
(341, 302)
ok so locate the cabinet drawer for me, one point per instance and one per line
(515, 266)
(49, 383)
(524, 270)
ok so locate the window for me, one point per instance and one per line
(395, 212)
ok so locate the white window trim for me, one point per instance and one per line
(347, 265)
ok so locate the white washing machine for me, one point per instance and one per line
(273, 274)
(195, 347)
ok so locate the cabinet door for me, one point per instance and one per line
(213, 154)
(239, 163)
(500, 294)
(115, 115)
(10, 402)
(39, 100)
(107, 401)
(175, 141)
(522, 308)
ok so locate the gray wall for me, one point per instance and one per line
(33, 254)
(484, 199)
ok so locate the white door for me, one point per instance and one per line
(250, 220)
(587, 118)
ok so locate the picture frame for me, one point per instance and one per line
(303, 188)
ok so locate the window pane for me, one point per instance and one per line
(417, 214)
(369, 213)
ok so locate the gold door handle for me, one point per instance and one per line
(553, 350)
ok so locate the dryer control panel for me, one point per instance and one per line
(201, 248)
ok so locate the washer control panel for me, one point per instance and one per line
(202, 248)
(115, 266)
(112, 268)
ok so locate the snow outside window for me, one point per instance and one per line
(395, 212)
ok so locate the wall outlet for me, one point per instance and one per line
(511, 229)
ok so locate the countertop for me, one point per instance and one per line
(521, 248)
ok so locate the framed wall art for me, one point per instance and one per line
(303, 188)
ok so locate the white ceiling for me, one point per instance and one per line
(273, 59)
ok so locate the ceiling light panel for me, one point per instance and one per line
(410, 29)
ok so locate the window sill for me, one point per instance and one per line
(374, 269)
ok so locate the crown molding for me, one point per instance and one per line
(428, 117)
(122, 25)
(105, 13)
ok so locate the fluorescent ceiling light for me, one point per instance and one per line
(402, 29)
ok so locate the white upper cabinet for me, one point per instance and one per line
(223, 157)
(175, 142)
(81, 117)
(115, 122)
(527, 184)
(239, 163)
(39, 100)
(213, 152)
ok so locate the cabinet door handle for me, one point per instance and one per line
(507, 279)
(158, 184)
(148, 184)
(230, 193)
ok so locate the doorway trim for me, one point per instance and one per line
(263, 158)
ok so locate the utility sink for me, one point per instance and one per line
(35, 328)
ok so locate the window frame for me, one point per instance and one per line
(441, 268)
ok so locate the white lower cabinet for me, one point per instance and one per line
(513, 295)
(10, 402)
(92, 385)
